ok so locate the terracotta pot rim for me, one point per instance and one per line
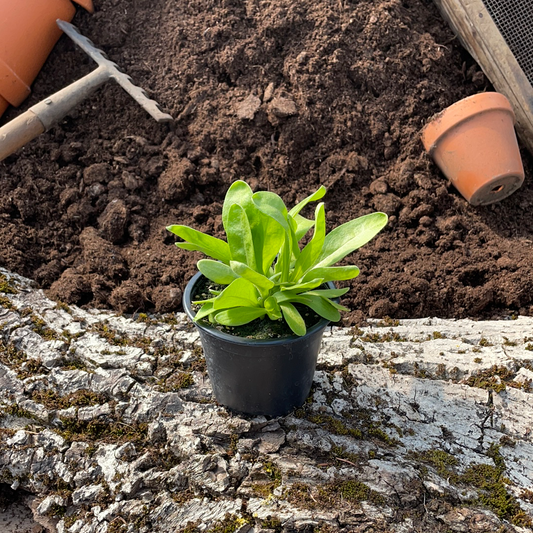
(462, 111)
(87, 4)
(12, 87)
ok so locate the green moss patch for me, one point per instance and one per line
(172, 359)
(177, 381)
(38, 325)
(484, 342)
(356, 491)
(332, 495)
(334, 425)
(359, 425)
(488, 479)
(118, 525)
(440, 460)
(57, 511)
(81, 398)
(64, 307)
(32, 367)
(390, 336)
(74, 363)
(109, 431)
(7, 286)
(274, 473)
(18, 361)
(11, 356)
(229, 524)
(339, 453)
(18, 412)
(6, 303)
(493, 493)
(494, 378)
(117, 338)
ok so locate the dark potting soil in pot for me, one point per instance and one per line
(287, 96)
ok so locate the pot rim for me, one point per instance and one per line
(460, 112)
(86, 4)
(186, 302)
(13, 89)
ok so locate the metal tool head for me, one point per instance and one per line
(151, 106)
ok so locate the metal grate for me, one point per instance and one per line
(514, 19)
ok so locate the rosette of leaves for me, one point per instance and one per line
(262, 265)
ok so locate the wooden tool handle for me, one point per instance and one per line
(18, 132)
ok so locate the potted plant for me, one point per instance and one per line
(262, 277)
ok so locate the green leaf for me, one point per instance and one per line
(267, 233)
(240, 236)
(262, 283)
(239, 193)
(328, 293)
(293, 318)
(295, 249)
(239, 315)
(319, 305)
(202, 302)
(285, 296)
(344, 239)
(198, 241)
(338, 306)
(275, 277)
(313, 284)
(216, 271)
(240, 293)
(332, 273)
(272, 205)
(317, 195)
(206, 310)
(283, 264)
(303, 225)
(268, 237)
(273, 309)
(314, 247)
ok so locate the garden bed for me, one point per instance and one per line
(287, 96)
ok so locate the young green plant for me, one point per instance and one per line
(262, 265)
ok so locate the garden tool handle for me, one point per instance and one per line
(18, 132)
(56, 107)
(43, 115)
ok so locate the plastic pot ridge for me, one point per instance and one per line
(474, 144)
(258, 377)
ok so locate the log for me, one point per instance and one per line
(412, 425)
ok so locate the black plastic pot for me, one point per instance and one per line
(258, 377)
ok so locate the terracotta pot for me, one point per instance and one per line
(474, 144)
(28, 32)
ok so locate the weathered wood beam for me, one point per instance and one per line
(475, 28)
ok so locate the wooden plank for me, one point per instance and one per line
(473, 25)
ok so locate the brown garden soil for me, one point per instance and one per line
(286, 95)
